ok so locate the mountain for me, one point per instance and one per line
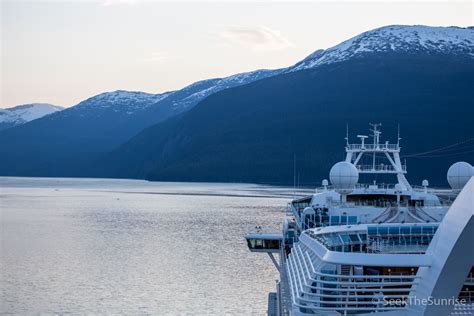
(396, 39)
(67, 143)
(25, 113)
(249, 127)
(418, 77)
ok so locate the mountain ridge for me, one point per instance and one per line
(77, 154)
(21, 114)
(255, 136)
(395, 38)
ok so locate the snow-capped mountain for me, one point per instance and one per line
(396, 38)
(119, 101)
(393, 38)
(64, 142)
(418, 77)
(25, 113)
(191, 95)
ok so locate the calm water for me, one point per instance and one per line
(89, 246)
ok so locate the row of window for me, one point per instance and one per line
(343, 220)
(402, 230)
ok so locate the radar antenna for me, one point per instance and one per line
(354, 153)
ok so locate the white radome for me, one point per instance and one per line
(308, 211)
(344, 176)
(458, 174)
(398, 188)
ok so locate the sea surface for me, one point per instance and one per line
(97, 246)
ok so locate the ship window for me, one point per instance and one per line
(354, 238)
(343, 219)
(363, 237)
(334, 239)
(345, 238)
(372, 230)
(416, 230)
(335, 220)
(394, 230)
(383, 230)
(428, 230)
(352, 219)
(325, 219)
(405, 230)
(251, 243)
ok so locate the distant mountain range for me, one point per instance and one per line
(22, 114)
(249, 127)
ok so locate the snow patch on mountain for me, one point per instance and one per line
(198, 91)
(24, 113)
(121, 100)
(396, 38)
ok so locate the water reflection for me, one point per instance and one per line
(118, 246)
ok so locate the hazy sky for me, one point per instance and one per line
(62, 52)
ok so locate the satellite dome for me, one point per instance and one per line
(344, 176)
(425, 183)
(309, 211)
(398, 187)
(325, 182)
(458, 174)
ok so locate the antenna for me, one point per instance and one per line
(347, 135)
(362, 139)
(376, 136)
(389, 151)
(399, 138)
(294, 175)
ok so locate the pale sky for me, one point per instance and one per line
(62, 52)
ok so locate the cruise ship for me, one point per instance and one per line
(375, 249)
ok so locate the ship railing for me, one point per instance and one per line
(380, 186)
(363, 186)
(312, 275)
(470, 279)
(384, 146)
(383, 204)
(384, 246)
(466, 296)
(369, 279)
(379, 168)
(356, 294)
(354, 299)
(390, 186)
(374, 203)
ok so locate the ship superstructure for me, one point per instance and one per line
(360, 249)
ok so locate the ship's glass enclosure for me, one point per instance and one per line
(264, 242)
(379, 239)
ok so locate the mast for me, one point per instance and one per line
(354, 153)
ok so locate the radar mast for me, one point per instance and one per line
(391, 152)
